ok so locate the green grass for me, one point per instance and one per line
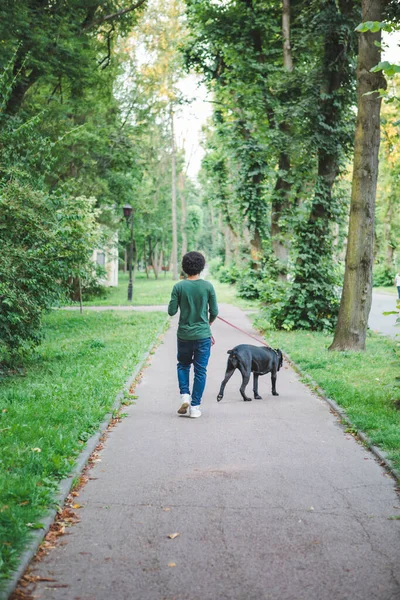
(154, 292)
(391, 290)
(366, 384)
(47, 415)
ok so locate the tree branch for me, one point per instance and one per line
(114, 15)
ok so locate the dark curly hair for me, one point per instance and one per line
(193, 263)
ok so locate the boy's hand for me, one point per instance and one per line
(212, 340)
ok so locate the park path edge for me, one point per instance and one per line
(345, 420)
(65, 485)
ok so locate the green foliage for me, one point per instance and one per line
(194, 225)
(228, 274)
(45, 243)
(383, 275)
(374, 26)
(248, 284)
(278, 140)
(29, 266)
(214, 266)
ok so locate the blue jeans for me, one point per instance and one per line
(198, 353)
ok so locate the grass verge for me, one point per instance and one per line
(366, 384)
(390, 290)
(153, 292)
(47, 415)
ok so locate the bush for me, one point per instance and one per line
(272, 291)
(29, 269)
(214, 266)
(248, 284)
(44, 242)
(383, 276)
(306, 306)
(228, 274)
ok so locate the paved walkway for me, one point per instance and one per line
(379, 322)
(271, 499)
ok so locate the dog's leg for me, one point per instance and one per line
(255, 387)
(229, 372)
(273, 381)
(245, 381)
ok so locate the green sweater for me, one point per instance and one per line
(198, 308)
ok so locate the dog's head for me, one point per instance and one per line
(280, 357)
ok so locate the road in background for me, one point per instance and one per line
(377, 321)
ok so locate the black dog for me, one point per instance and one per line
(258, 360)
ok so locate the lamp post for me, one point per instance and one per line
(128, 214)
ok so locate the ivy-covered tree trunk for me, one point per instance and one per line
(280, 199)
(279, 207)
(356, 299)
(311, 302)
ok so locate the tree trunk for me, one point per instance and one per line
(22, 81)
(80, 295)
(387, 234)
(280, 199)
(173, 195)
(256, 248)
(181, 188)
(213, 231)
(287, 50)
(228, 246)
(145, 259)
(356, 298)
(153, 257)
(279, 207)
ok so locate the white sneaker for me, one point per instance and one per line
(186, 400)
(195, 412)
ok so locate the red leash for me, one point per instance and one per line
(245, 333)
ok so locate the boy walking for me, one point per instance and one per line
(197, 302)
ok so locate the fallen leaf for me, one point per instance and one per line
(172, 536)
(172, 564)
(166, 508)
(77, 506)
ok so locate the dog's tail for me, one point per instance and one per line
(233, 359)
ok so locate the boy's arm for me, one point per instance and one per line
(173, 303)
(213, 306)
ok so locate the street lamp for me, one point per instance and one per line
(128, 214)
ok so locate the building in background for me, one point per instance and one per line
(107, 258)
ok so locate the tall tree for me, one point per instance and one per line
(47, 39)
(173, 201)
(311, 299)
(351, 329)
(280, 199)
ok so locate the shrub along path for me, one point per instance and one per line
(269, 499)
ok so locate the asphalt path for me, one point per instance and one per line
(271, 499)
(379, 322)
